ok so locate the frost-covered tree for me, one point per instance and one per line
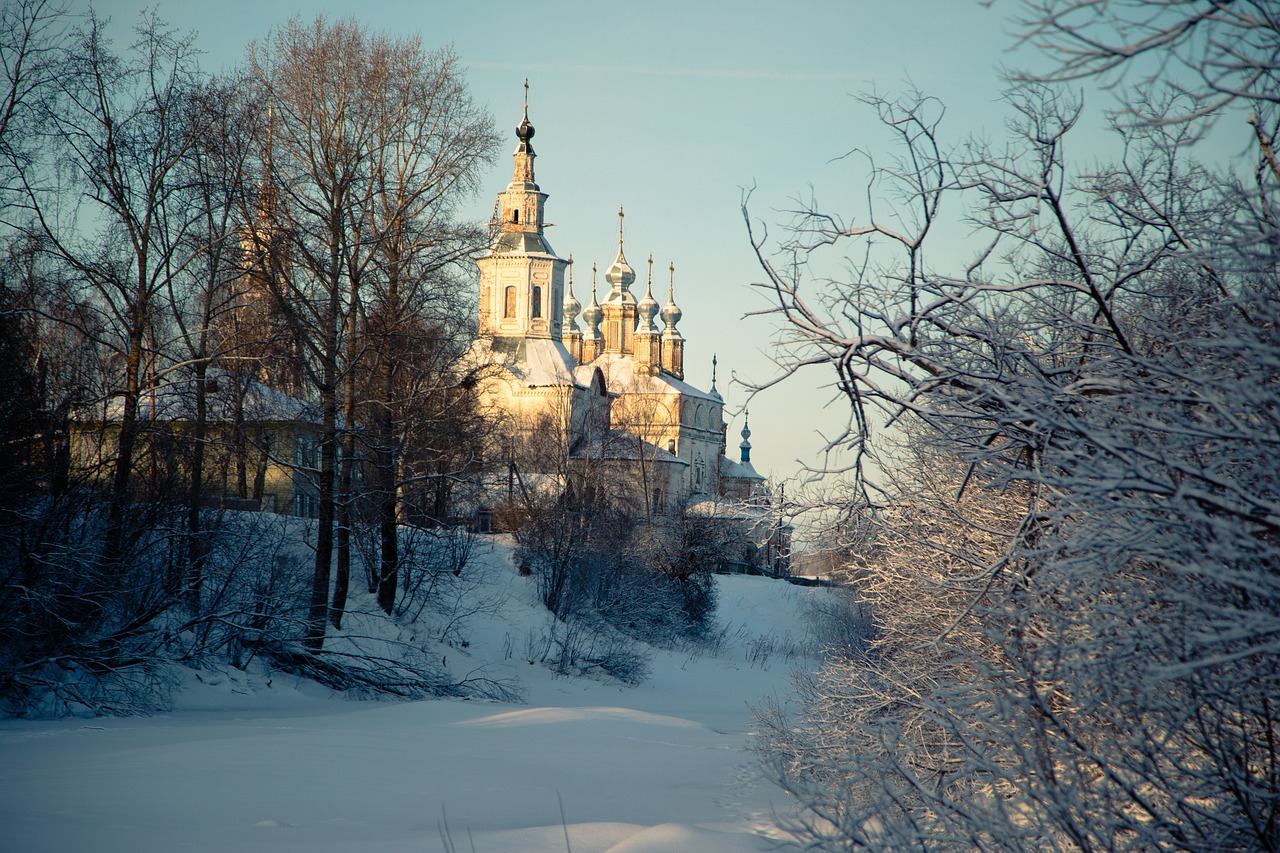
(1076, 581)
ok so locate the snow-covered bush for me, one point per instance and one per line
(80, 633)
(584, 644)
(602, 564)
(838, 621)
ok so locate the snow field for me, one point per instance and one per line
(260, 762)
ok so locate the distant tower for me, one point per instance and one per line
(256, 327)
(521, 279)
(745, 446)
(672, 340)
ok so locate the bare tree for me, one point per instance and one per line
(1077, 616)
(118, 126)
(371, 144)
(430, 142)
(318, 91)
(204, 299)
(1214, 54)
(33, 36)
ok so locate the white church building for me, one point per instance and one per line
(611, 390)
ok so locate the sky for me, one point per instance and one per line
(672, 111)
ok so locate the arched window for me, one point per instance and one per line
(537, 301)
(509, 302)
(515, 216)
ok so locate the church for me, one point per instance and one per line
(609, 392)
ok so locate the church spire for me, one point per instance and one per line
(620, 305)
(647, 308)
(592, 343)
(745, 446)
(620, 275)
(672, 340)
(648, 345)
(572, 307)
(524, 151)
(570, 334)
(671, 312)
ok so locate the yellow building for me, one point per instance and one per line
(261, 446)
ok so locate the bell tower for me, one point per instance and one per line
(521, 279)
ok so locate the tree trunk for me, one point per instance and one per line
(113, 545)
(388, 460)
(342, 574)
(197, 547)
(319, 609)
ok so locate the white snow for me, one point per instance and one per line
(245, 765)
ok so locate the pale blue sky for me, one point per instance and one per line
(670, 109)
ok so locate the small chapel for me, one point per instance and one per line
(611, 390)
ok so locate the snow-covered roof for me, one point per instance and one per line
(753, 510)
(536, 362)
(621, 375)
(521, 243)
(738, 470)
(622, 446)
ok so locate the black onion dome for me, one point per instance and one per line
(524, 131)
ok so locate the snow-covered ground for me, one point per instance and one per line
(246, 766)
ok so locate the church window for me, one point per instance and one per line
(537, 301)
(515, 216)
(657, 501)
(509, 303)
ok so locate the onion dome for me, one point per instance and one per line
(745, 446)
(572, 307)
(671, 312)
(620, 275)
(524, 130)
(647, 308)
